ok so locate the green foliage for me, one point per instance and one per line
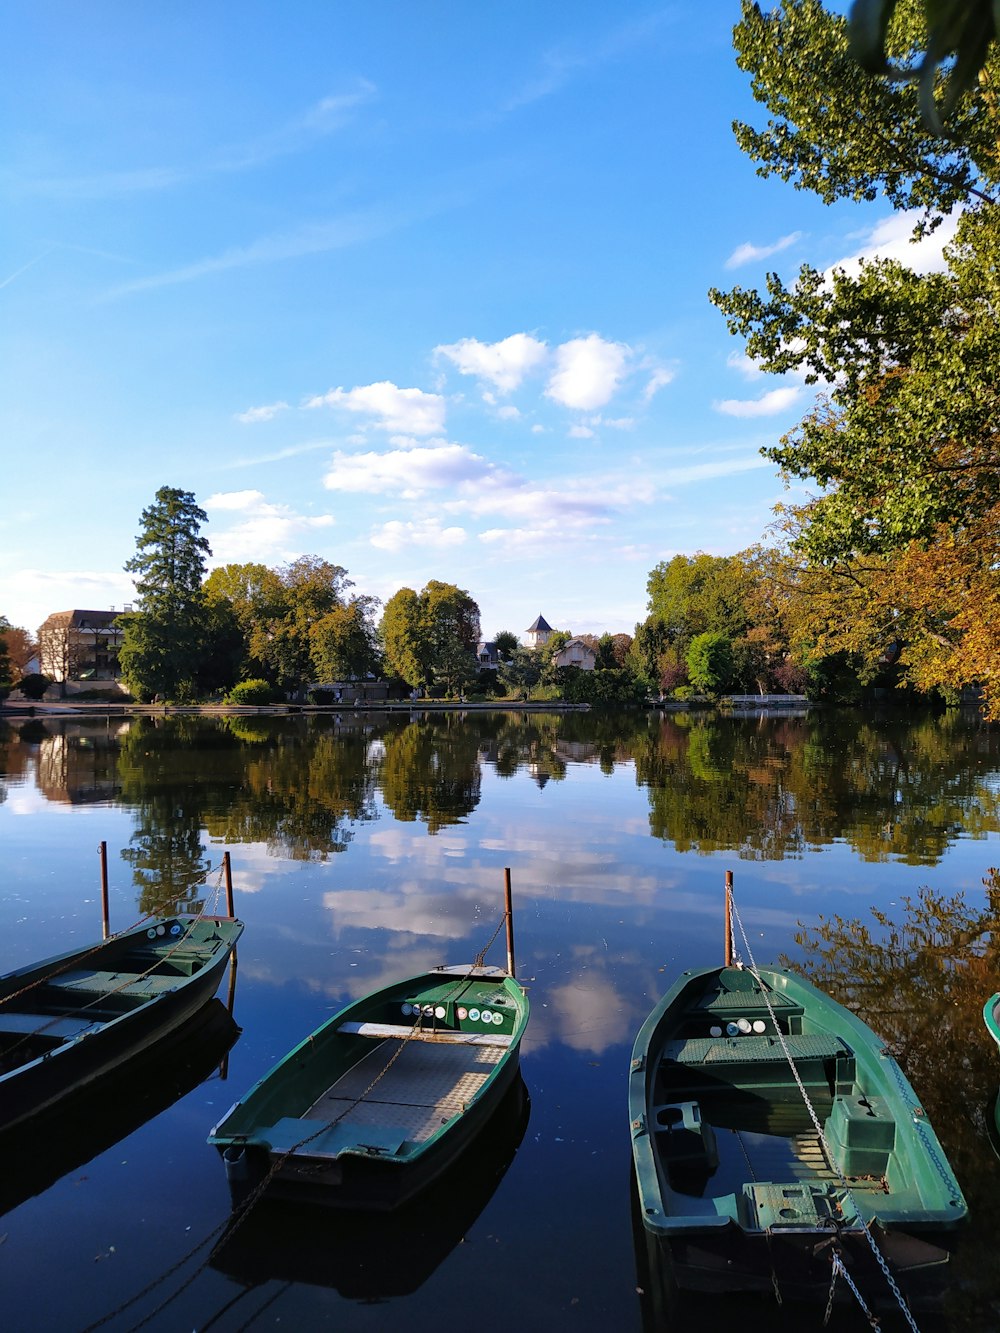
(163, 641)
(611, 687)
(429, 639)
(252, 692)
(343, 644)
(507, 644)
(34, 685)
(5, 669)
(710, 662)
(958, 35)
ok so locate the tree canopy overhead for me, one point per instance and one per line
(901, 442)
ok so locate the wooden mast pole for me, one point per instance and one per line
(227, 867)
(105, 913)
(728, 951)
(509, 917)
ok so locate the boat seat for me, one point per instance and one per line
(862, 1135)
(383, 1030)
(122, 983)
(13, 1023)
(288, 1132)
(755, 1050)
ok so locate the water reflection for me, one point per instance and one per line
(920, 978)
(765, 788)
(65, 1137)
(377, 1257)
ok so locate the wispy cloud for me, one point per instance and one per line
(409, 472)
(748, 254)
(402, 411)
(325, 117)
(264, 531)
(264, 413)
(560, 67)
(309, 239)
(502, 364)
(769, 404)
(396, 535)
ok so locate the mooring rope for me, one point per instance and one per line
(225, 1230)
(866, 1230)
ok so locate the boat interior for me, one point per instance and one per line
(732, 1126)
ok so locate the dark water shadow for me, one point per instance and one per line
(374, 1257)
(86, 1123)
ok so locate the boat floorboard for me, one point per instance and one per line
(426, 1084)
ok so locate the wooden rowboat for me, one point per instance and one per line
(771, 1131)
(381, 1098)
(991, 1017)
(71, 1019)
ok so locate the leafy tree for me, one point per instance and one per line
(5, 665)
(430, 638)
(958, 33)
(343, 644)
(903, 441)
(401, 634)
(693, 594)
(245, 600)
(710, 662)
(21, 648)
(507, 644)
(163, 640)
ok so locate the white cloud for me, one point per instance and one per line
(769, 404)
(410, 471)
(265, 532)
(266, 413)
(659, 378)
(402, 411)
(588, 372)
(747, 253)
(503, 364)
(396, 535)
(891, 239)
(580, 432)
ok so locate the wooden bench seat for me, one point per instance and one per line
(383, 1030)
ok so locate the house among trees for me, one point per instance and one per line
(538, 633)
(576, 653)
(487, 655)
(79, 645)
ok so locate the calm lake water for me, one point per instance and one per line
(367, 847)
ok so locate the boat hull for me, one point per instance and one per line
(368, 1112)
(771, 1130)
(71, 1045)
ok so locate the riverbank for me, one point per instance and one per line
(103, 708)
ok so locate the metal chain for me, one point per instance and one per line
(865, 1228)
(840, 1270)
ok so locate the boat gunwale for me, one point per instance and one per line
(876, 1070)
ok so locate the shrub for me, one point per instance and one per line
(251, 692)
(34, 685)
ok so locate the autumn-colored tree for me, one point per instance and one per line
(903, 443)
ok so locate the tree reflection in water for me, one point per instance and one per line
(921, 982)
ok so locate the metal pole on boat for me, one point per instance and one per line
(227, 867)
(105, 915)
(509, 917)
(728, 951)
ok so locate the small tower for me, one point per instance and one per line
(538, 633)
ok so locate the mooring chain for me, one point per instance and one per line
(866, 1230)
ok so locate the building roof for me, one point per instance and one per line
(540, 624)
(79, 619)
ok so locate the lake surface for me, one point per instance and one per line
(367, 847)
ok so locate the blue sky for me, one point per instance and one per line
(417, 288)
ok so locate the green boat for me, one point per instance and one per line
(72, 1019)
(380, 1099)
(991, 1017)
(776, 1144)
